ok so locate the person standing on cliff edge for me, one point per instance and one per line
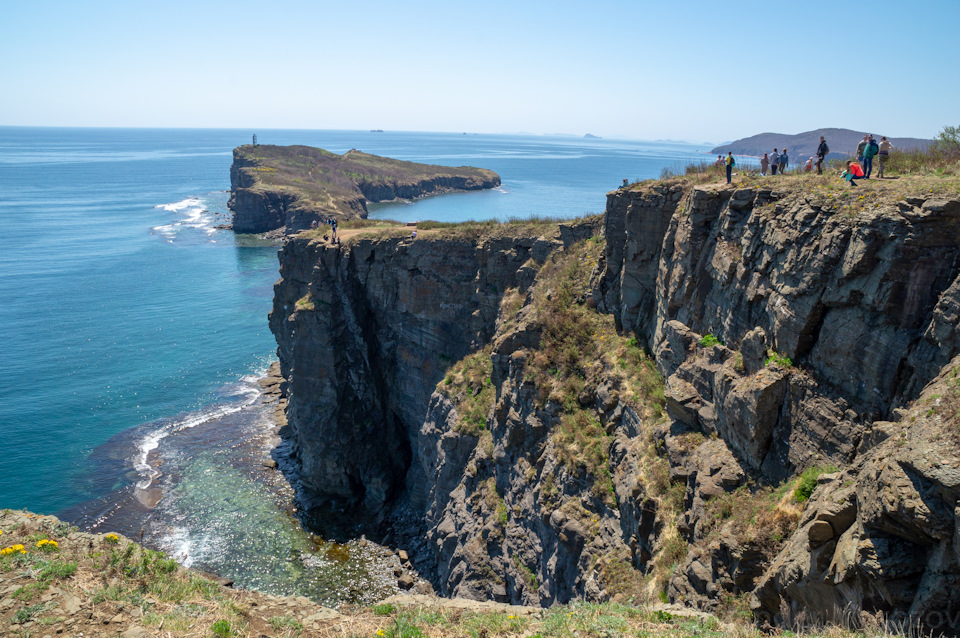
(730, 162)
(822, 151)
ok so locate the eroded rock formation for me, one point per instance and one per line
(791, 334)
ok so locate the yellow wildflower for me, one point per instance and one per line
(47, 544)
(112, 538)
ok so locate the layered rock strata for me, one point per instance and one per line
(833, 322)
(791, 336)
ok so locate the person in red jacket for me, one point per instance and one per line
(853, 173)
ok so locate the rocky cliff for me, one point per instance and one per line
(273, 187)
(718, 397)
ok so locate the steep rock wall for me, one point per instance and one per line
(865, 306)
(859, 311)
(364, 333)
(384, 192)
(829, 290)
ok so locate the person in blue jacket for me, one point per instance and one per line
(869, 151)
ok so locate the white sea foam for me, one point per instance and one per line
(187, 548)
(151, 441)
(190, 202)
(193, 213)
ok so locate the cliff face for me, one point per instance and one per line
(365, 332)
(476, 397)
(864, 304)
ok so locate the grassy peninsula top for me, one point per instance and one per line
(318, 183)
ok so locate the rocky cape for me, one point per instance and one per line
(482, 398)
(288, 187)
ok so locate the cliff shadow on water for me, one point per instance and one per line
(709, 395)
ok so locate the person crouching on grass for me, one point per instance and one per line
(853, 173)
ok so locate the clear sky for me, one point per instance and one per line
(671, 69)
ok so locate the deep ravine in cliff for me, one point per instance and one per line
(712, 394)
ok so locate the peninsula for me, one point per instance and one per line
(288, 187)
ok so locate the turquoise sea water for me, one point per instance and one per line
(129, 320)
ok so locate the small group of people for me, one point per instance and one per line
(330, 221)
(867, 149)
(774, 162)
(861, 168)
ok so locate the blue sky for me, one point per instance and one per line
(692, 70)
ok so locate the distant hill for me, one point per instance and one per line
(842, 142)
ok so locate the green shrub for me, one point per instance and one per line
(710, 340)
(807, 482)
(777, 359)
(501, 515)
(221, 629)
(57, 571)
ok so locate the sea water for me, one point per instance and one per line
(134, 329)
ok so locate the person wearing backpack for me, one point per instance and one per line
(783, 161)
(730, 162)
(774, 162)
(862, 145)
(869, 151)
(822, 152)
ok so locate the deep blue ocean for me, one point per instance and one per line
(131, 322)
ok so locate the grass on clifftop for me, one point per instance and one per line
(325, 180)
(935, 170)
(60, 578)
(473, 231)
